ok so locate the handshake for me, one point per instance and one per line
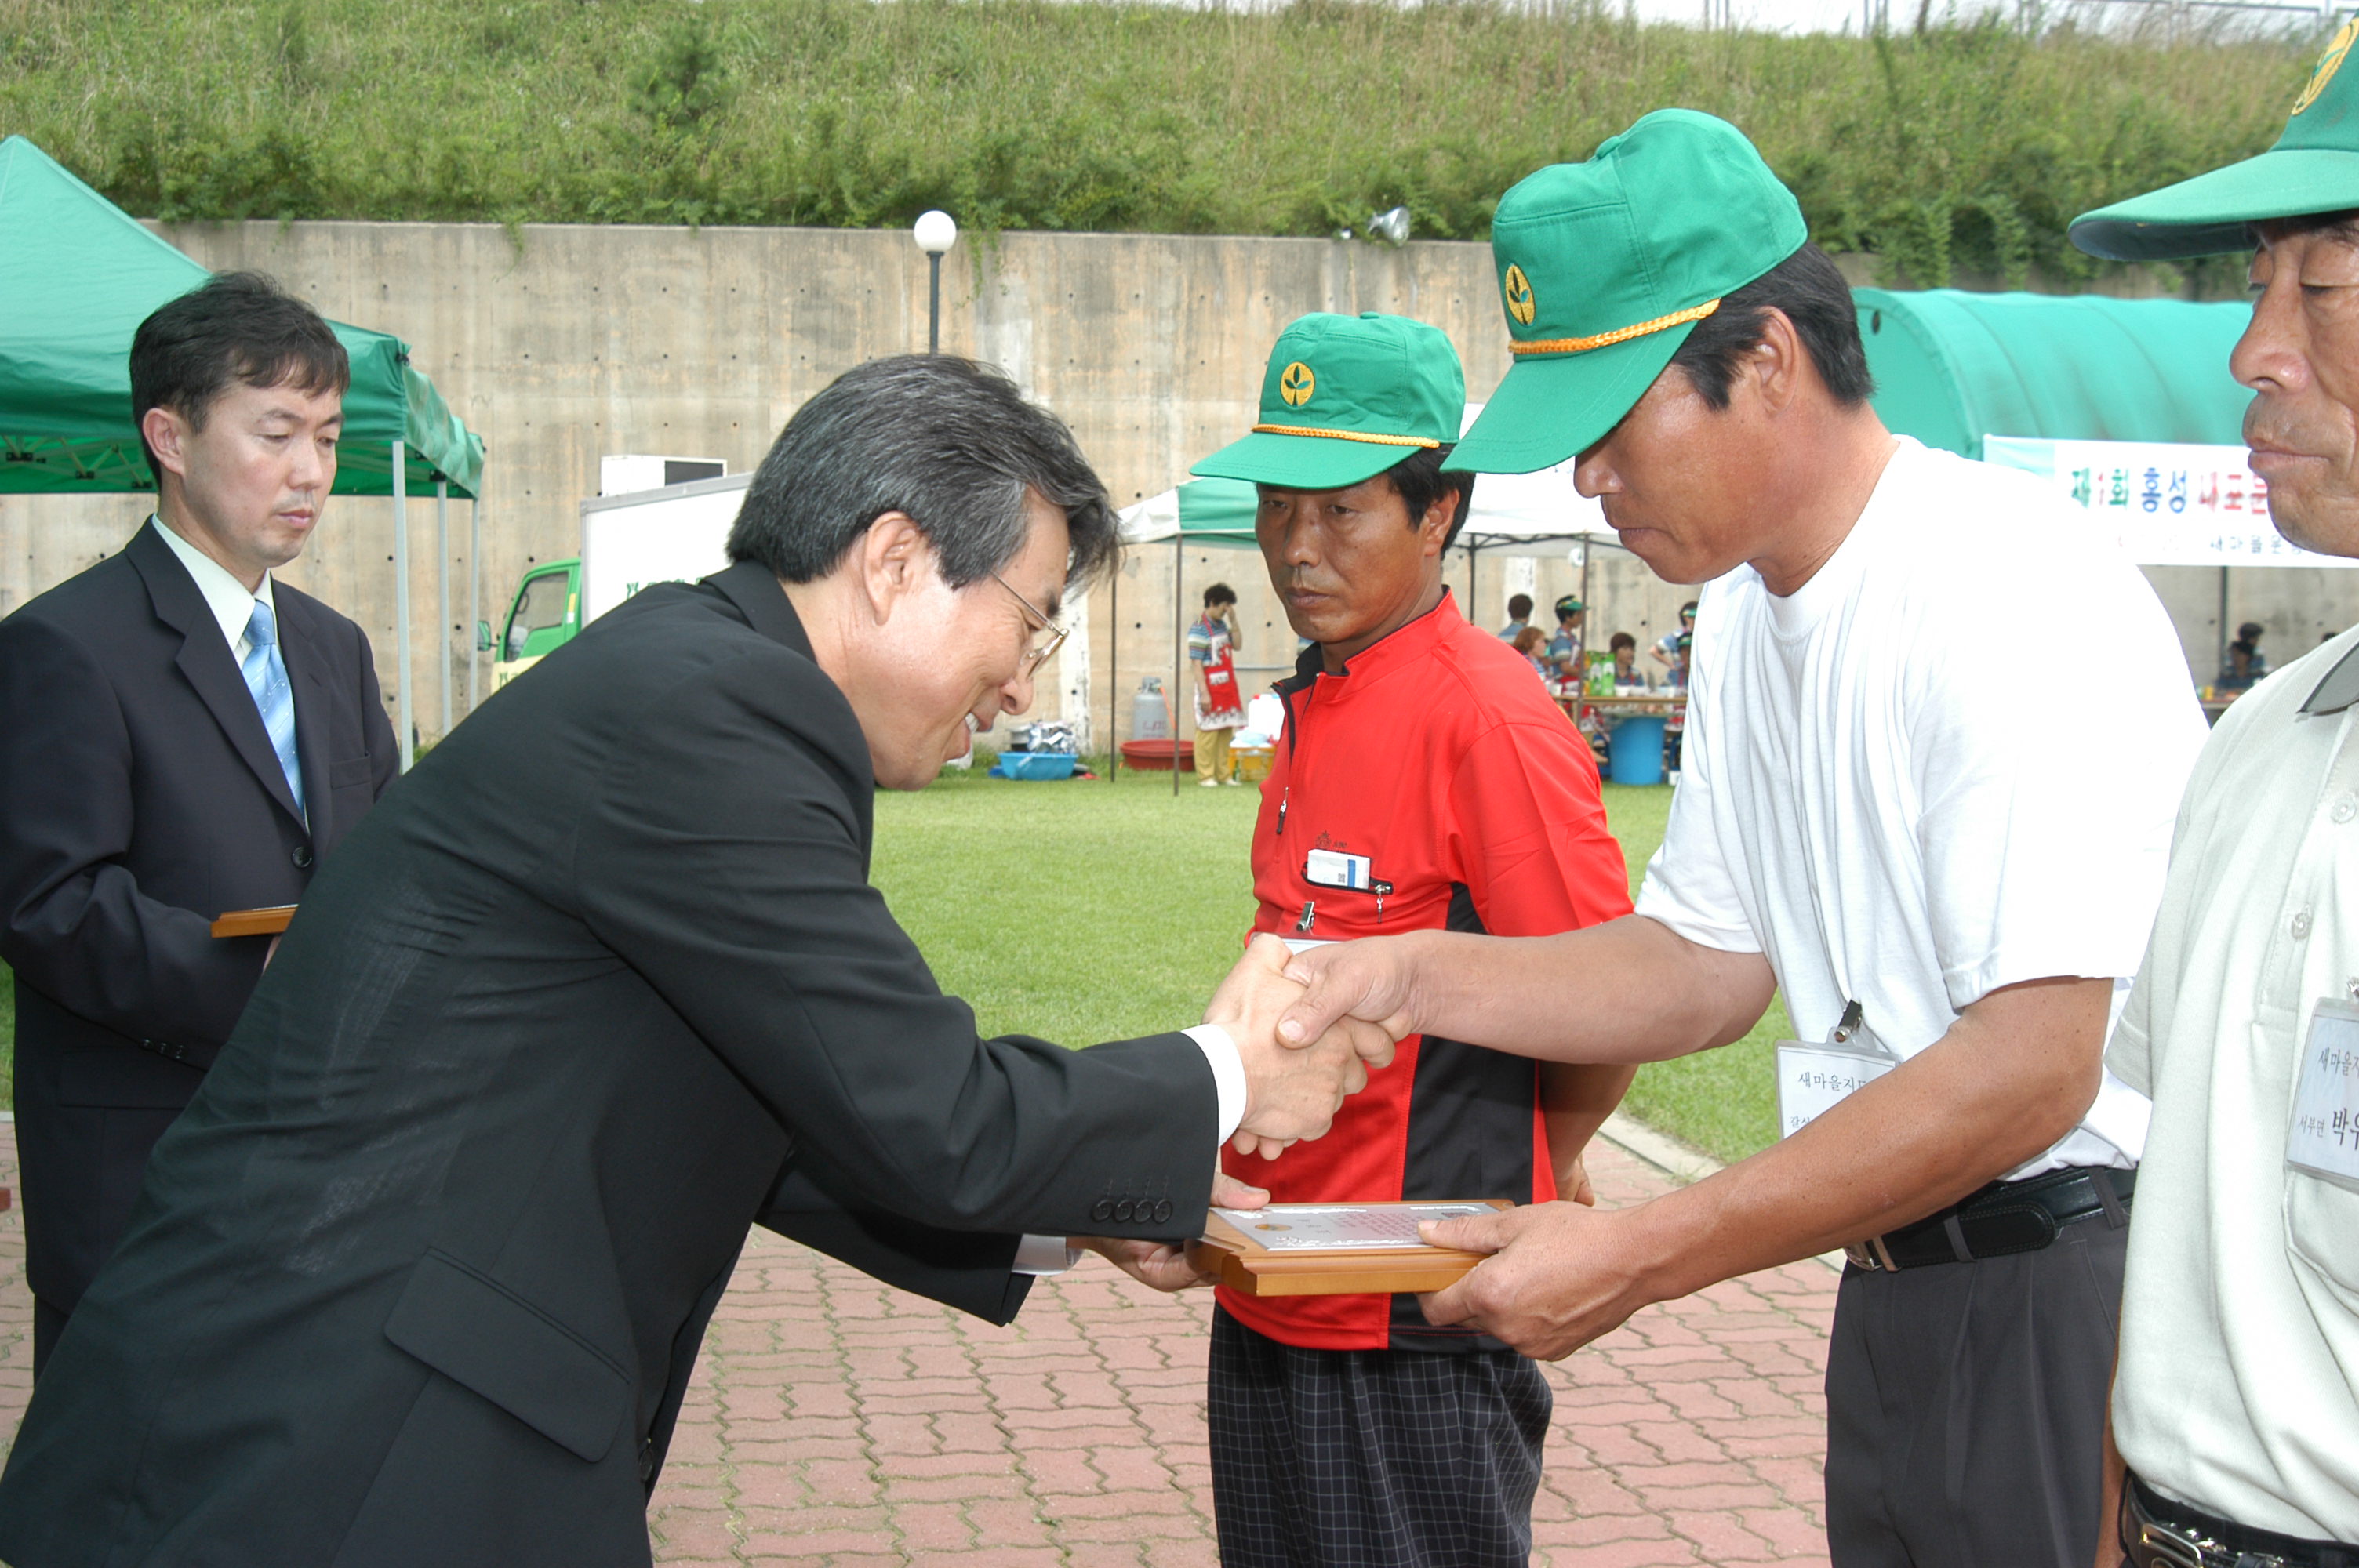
(1293, 1085)
(1302, 1053)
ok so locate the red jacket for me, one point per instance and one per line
(1438, 760)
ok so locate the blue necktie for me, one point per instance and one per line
(265, 677)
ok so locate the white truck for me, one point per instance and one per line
(673, 532)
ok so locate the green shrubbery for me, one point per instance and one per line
(1962, 148)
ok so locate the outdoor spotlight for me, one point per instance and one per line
(937, 232)
(1390, 227)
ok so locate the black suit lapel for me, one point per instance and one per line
(205, 659)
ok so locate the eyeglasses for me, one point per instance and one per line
(1034, 657)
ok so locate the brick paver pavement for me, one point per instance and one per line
(836, 1422)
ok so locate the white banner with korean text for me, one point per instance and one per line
(2166, 504)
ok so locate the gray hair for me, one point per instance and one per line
(949, 442)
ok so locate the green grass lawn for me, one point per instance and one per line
(1097, 911)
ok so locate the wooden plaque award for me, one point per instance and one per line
(1332, 1249)
(254, 922)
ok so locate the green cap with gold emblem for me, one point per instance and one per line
(1344, 398)
(1606, 267)
(2313, 168)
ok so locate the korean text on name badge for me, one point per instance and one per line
(1812, 1079)
(2323, 1136)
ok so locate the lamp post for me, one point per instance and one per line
(936, 232)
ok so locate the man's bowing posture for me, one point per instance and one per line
(420, 1276)
(179, 735)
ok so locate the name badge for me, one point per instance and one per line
(2323, 1137)
(1814, 1079)
(1332, 869)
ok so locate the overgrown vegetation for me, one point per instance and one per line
(1957, 148)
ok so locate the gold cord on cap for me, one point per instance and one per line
(1348, 435)
(1619, 335)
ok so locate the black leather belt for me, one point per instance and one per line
(2003, 1217)
(2159, 1534)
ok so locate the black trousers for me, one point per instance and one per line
(1372, 1458)
(1966, 1408)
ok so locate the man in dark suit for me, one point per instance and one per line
(178, 735)
(421, 1275)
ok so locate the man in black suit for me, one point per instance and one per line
(421, 1276)
(178, 735)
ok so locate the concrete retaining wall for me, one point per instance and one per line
(560, 343)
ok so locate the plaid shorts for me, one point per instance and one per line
(1372, 1458)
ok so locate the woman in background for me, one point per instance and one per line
(1220, 700)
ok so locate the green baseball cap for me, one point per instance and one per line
(1606, 266)
(2313, 168)
(1344, 398)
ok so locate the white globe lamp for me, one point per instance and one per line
(936, 233)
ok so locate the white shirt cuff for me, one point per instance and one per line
(1228, 1074)
(1043, 1256)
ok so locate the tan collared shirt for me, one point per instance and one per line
(2238, 1387)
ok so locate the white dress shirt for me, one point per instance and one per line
(230, 601)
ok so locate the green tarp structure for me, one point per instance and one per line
(78, 276)
(1217, 513)
(1951, 367)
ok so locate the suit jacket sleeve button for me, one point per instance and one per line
(1123, 1211)
(1102, 1210)
(302, 857)
(1163, 1212)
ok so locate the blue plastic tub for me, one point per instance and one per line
(1036, 765)
(1635, 751)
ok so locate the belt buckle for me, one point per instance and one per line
(2169, 1547)
(1874, 1255)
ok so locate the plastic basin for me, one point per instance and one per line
(1155, 756)
(1038, 764)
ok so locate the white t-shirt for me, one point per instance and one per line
(2238, 1389)
(1874, 795)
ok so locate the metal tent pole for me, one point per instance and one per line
(1113, 679)
(401, 599)
(475, 592)
(934, 302)
(2220, 659)
(442, 591)
(1179, 653)
(1581, 664)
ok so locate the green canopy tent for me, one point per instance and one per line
(1953, 367)
(78, 276)
(2004, 376)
